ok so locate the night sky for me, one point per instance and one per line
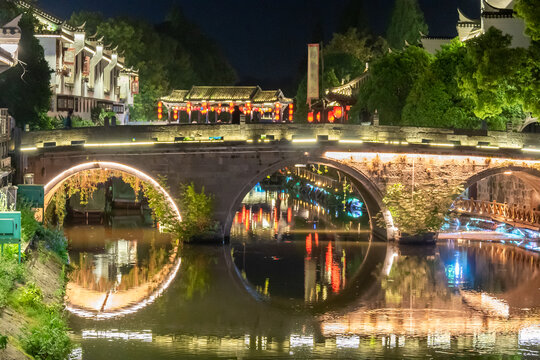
(265, 40)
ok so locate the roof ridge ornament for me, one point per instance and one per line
(463, 18)
(81, 27)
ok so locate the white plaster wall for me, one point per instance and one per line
(511, 26)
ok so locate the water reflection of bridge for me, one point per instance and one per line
(425, 304)
(227, 317)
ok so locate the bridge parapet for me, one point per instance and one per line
(343, 133)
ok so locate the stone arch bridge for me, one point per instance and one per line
(228, 160)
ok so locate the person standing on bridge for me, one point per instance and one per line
(236, 116)
(67, 120)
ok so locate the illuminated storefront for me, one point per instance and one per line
(215, 104)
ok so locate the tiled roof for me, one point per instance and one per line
(221, 93)
(225, 94)
(176, 96)
(47, 16)
(263, 96)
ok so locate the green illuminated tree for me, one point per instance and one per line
(390, 81)
(491, 75)
(435, 99)
(420, 210)
(406, 25)
(530, 12)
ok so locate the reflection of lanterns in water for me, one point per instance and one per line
(308, 245)
(329, 259)
(333, 269)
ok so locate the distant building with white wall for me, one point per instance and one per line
(86, 73)
(494, 13)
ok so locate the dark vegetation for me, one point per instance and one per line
(481, 83)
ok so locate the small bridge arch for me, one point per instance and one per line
(54, 184)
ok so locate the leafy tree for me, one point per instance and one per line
(171, 55)
(490, 74)
(420, 210)
(197, 212)
(530, 81)
(345, 58)
(360, 45)
(435, 99)
(530, 12)
(406, 24)
(354, 16)
(390, 81)
(24, 89)
(205, 57)
(90, 19)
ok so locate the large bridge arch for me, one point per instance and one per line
(54, 184)
(369, 191)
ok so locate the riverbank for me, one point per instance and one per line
(32, 315)
(32, 318)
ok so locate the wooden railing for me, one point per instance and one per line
(351, 87)
(510, 213)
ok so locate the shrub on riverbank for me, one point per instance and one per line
(10, 273)
(29, 224)
(44, 332)
(197, 210)
(54, 240)
(47, 338)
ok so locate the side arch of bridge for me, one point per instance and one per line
(54, 184)
(528, 175)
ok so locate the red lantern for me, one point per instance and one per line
(160, 110)
(318, 117)
(231, 107)
(338, 112)
(331, 117)
(175, 114)
(310, 117)
(291, 111)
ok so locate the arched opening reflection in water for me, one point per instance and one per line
(122, 264)
(302, 235)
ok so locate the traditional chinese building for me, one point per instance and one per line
(10, 35)
(210, 104)
(86, 72)
(493, 13)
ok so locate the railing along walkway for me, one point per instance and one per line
(509, 213)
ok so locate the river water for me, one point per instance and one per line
(299, 279)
